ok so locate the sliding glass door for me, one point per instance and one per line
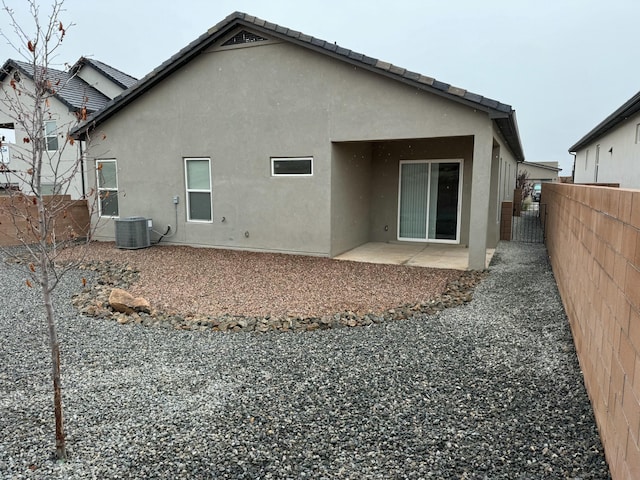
(429, 200)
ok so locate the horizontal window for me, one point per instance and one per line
(292, 166)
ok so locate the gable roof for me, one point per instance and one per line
(501, 113)
(123, 80)
(73, 92)
(628, 109)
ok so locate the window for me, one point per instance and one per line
(50, 189)
(51, 135)
(638, 133)
(198, 182)
(586, 160)
(291, 166)
(106, 173)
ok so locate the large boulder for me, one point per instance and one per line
(122, 301)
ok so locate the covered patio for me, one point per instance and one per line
(430, 255)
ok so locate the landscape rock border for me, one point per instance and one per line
(94, 301)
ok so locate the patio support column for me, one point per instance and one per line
(480, 195)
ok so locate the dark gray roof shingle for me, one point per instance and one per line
(71, 90)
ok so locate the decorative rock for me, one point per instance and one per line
(122, 301)
(108, 299)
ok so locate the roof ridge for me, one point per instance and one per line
(502, 113)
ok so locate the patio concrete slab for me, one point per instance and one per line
(454, 257)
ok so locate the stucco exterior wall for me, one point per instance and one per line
(64, 159)
(351, 194)
(618, 166)
(503, 174)
(240, 106)
(386, 171)
(539, 174)
(99, 81)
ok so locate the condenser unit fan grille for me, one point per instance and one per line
(132, 233)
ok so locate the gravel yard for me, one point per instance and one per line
(490, 390)
(211, 281)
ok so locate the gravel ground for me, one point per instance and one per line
(488, 390)
(182, 279)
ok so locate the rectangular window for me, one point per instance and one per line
(51, 135)
(638, 133)
(107, 175)
(586, 159)
(198, 186)
(50, 189)
(291, 166)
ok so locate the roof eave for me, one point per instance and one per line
(628, 109)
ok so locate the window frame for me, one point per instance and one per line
(291, 159)
(188, 190)
(101, 189)
(51, 136)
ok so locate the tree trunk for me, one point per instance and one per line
(61, 449)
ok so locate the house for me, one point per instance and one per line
(540, 172)
(610, 152)
(88, 85)
(258, 137)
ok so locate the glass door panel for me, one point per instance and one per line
(429, 200)
(413, 200)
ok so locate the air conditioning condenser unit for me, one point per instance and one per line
(133, 232)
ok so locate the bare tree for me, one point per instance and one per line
(40, 221)
(523, 182)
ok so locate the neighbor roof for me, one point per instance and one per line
(74, 92)
(121, 79)
(630, 108)
(544, 165)
(501, 113)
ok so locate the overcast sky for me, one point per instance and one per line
(563, 65)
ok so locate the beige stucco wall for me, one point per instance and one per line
(241, 106)
(386, 170)
(539, 174)
(99, 81)
(351, 177)
(65, 159)
(618, 166)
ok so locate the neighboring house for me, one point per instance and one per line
(89, 85)
(540, 172)
(258, 137)
(610, 153)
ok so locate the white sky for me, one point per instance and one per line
(563, 65)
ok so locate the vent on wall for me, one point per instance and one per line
(133, 232)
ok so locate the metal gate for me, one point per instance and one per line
(530, 225)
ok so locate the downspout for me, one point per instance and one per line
(84, 188)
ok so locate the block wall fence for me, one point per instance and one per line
(593, 240)
(74, 218)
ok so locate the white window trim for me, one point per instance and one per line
(459, 206)
(196, 190)
(287, 159)
(105, 189)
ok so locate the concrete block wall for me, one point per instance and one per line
(72, 220)
(593, 240)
